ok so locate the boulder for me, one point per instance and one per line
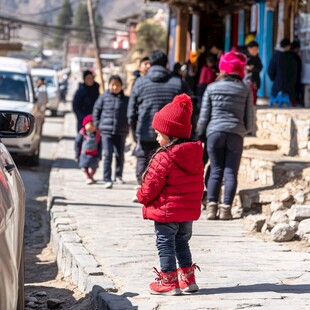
(282, 233)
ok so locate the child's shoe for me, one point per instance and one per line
(165, 284)
(211, 210)
(89, 181)
(108, 185)
(187, 281)
(119, 180)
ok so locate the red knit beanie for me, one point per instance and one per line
(233, 62)
(174, 119)
(87, 119)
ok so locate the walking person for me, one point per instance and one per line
(226, 116)
(88, 148)
(253, 68)
(149, 94)
(110, 116)
(171, 193)
(85, 98)
(282, 70)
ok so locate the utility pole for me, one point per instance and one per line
(95, 42)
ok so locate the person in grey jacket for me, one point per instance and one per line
(226, 116)
(149, 94)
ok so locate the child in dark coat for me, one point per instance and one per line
(253, 68)
(171, 192)
(110, 117)
(88, 148)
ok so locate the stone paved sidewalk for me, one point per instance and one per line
(104, 245)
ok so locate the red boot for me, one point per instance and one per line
(187, 280)
(165, 284)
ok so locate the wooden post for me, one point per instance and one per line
(181, 34)
(95, 42)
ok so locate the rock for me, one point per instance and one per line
(303, 228)
(277, 206)
(278, 217)
(31, 299)
(53, 303)
(299, 212)
(237, 212)
(294, 224)
(31, 304)
(282, 233)
(284, 195)
(41, 294)
(299, 197)
(254, 223)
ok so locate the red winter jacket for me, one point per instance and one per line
(173, 186)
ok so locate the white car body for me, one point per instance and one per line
(17, 93)
(52, 85)
(12, 217)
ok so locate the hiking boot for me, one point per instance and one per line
(166, 283)
(187, 281)
(107, 185)
(211, 210)
(204, 200)
(225, 212)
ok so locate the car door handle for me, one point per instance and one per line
(9, 168)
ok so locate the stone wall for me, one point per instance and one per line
(289, 128)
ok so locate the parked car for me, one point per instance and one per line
(17, 93)
(13, 125)
(53, 89)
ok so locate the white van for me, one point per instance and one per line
(52, 86)
(17, 94)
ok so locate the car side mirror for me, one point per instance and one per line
(15, 124)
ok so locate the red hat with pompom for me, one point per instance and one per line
(174, 119)
(87, 119)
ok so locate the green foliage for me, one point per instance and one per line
(150, 36)
(81, 20)
(64, 18)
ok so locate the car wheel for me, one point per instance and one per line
(34, 159)
(21, 283)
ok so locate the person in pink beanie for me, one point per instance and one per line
(226, 116)
(171, 193)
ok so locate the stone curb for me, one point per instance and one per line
(73, 259)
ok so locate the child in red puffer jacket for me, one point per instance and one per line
(171, 193)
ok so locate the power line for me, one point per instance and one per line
(55, 27)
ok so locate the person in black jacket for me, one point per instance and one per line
(85, 98)
(149, 94)
(110, 117)
(253, 68)
(282, 71)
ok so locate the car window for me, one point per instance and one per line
(13, 86)
(49, 80)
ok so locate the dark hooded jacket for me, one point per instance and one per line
(84, 100)
(149, 94)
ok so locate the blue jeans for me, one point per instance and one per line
(225, 150)
(113, 144)
(172, 241)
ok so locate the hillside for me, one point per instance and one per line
(47, 10)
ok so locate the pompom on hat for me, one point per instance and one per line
(87, 119)
(174, 119)
(233, 63)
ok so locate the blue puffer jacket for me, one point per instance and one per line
(149, 94)
(110, 114)
(227, 106)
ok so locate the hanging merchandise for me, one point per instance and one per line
(304, 37)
